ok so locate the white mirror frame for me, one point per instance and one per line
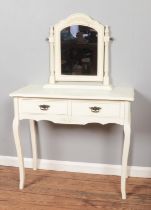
(102, 50)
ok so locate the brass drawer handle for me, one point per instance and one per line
(95, 109)
(44, 107)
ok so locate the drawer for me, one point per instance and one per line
(41, 106)
(96, 108)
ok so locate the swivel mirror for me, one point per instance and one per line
(79, 51)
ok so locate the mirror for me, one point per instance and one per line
(78, 50)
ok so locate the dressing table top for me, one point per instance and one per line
(117, 93)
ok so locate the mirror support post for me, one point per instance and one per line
(51, 62)
(106, 64)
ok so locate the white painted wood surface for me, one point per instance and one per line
(106, 81)
(85, 20)
(18, 144)
(51, 54)
(72, 106)
(68, 92)
(33, 132)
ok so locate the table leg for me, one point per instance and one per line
(127, 131)
(33, 142)
(19, 152)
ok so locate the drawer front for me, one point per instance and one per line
(41, 106)
(97, 109)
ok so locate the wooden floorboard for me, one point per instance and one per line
(51, 190)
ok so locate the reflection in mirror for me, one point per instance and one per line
(78, 50)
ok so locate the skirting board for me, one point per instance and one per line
(81, 167)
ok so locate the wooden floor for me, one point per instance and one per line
(51, 190)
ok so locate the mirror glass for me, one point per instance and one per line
(78, 50)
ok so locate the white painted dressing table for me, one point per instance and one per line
(72, 103)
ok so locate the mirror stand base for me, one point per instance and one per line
(88, 86)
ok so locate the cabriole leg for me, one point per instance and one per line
(19, 152)
(33, 142)
(127, 131)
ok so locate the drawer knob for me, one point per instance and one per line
(44, 107)
(95, 109)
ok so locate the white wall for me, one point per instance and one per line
(24, 25)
